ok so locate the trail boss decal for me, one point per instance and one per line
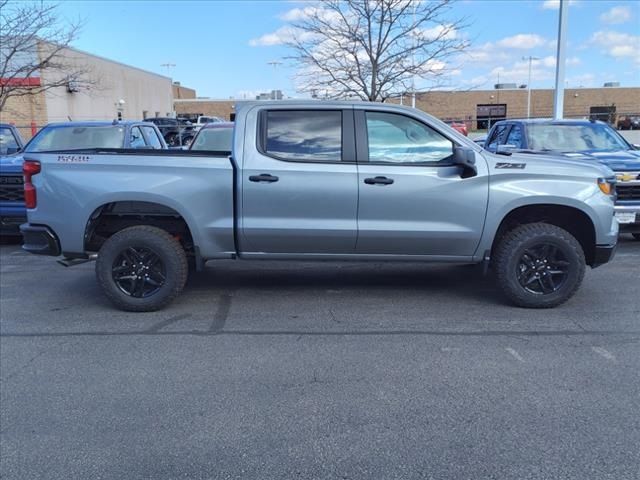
(74, 158)
(511, 165)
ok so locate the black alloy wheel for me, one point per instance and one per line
(138, 272)
(542, 269)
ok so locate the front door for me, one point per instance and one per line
(413, 201)
(299, 183)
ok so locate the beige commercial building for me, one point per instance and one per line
(116, 91)
(480, 108)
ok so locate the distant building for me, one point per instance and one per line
(120, 91)
(480, 108)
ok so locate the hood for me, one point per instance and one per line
(619, 161)
(11, 163)
(556, 164)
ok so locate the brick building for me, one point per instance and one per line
(479, 108)
(205, 106)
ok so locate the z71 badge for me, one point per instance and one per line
(519, 166)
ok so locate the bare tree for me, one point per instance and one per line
(33, 40)
(373, 49)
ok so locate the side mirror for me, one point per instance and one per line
(12, 150)
(635, 146)
(466, 158)
(505, 148)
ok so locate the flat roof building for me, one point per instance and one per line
(116, 91)
(480, 108)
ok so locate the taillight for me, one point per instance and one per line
(29, 169)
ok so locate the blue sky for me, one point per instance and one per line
(223, 48)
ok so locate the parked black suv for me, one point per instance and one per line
(176, 131)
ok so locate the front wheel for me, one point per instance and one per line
(141, 268)
(539, 265)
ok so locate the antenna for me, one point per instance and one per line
(168, 66)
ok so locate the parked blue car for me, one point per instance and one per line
(67, 136)
(580, 140)
(12, 211)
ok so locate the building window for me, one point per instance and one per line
(157, 114)
(487, 115)
(145, 114)
(119, 116)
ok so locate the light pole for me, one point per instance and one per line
(531, 59)
(558, 98)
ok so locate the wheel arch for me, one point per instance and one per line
(113, 215)
(574, 220)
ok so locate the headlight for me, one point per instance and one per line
(607, 186)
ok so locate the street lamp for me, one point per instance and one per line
(531, 59)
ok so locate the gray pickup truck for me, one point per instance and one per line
(322, 181)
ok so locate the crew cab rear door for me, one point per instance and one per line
(299, 181)
(413, 200)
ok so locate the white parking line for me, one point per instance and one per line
(515, 354)
(604, 353)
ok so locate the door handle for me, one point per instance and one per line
(263, 177)
(378, 181)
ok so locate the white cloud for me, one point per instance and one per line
(616, 15)
(617, 44)
(523, 41)
(281, 36)
(555, 4)
(439, 32)
(299, 14)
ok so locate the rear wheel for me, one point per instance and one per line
(141, 268)
(636, 236)
(539, 265)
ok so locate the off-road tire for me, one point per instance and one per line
(511, 249)
(170, 253)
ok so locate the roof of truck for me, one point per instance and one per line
(104, 123)
(551, 121)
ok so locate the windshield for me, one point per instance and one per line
(214, 139)
(76, 138)
(7, 141)
(575, 138)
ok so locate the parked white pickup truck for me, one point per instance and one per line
(322, 181)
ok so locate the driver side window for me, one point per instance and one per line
(398, 139)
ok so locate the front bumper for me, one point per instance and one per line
(603, 254)
(39, 239)
(628, 217)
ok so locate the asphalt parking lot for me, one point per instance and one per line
(309, 370)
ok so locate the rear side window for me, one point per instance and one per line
(303, 135)
(515, 136)
(152, 137)
(136, 140)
